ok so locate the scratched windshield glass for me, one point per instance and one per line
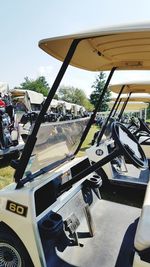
(56, 141)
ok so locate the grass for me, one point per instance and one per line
(87, 142)
(6, 172)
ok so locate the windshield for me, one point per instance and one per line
(55, 142)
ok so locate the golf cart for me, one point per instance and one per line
(133, 107)
(10, 139)
(53, 214)
(137, 91)
(120, 170)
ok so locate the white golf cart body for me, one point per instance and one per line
(55, 213)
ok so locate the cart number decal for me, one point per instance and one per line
(16, 208)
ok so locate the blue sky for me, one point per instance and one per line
(24, 23)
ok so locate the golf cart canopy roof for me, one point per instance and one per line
(35, 97)
(131, 87)
(134, 97)
(131, 106)
(125, 47)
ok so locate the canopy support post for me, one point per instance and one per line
(95, 111)
(117, 107)
(124, 106)
(108, 118)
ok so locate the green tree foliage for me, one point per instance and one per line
(148, 112)
(39, 85)
(87, 104)
(98, 88)
(71, 94)
(74, 95)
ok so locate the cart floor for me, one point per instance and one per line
(111, 223)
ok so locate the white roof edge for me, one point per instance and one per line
(143, 26)
(131, 82)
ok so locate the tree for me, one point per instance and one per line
(74, 95)
(87, 104)
(98, 88)
(39, 85)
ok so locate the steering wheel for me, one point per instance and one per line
(128, 145)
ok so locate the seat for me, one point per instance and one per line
(142, 236)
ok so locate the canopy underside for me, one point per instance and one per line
(102, 51)
(135, 87)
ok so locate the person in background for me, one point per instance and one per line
(2, 103)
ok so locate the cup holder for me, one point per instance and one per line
(96, 176)
(95, 181)
(51, 225)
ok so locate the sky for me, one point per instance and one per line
(24, 23)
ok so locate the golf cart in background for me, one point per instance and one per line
(136, 91)
(133, 111)
(56, 195)
(10, 139)
(119, 170)
(28, 103)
